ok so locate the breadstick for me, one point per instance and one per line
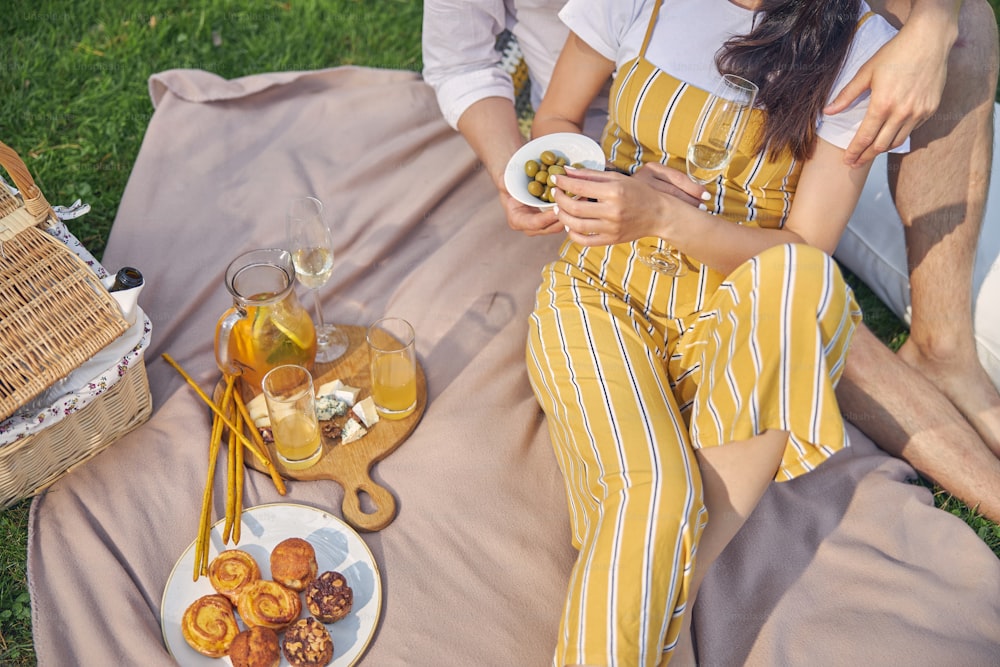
(239, 485)
(227, 529)
(264, 459)
(241, 406)
(205, 525)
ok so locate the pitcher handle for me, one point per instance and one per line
(223, 330)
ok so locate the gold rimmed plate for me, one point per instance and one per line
(338, 547)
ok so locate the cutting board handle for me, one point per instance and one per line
(381, 498)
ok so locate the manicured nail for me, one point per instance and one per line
(555, 209)
(566, 228)
(706, 195)
(553, 180)
(702, 207)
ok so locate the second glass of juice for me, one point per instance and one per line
(291, 406)
(393, 363)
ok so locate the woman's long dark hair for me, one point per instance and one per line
(793, 54)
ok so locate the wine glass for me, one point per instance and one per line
(720, 128)
(716, 138)
(311, 245)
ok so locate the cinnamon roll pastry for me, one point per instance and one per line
(231, 571)
(256, 647)
(269, 604)
(308, 644)
(328, 597)
(209, 625)
(293, 563)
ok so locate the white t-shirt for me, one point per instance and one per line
(688, 33)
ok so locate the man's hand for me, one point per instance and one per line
(906, 78)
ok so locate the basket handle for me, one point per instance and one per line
(34, 201)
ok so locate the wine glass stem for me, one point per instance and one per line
(319, 309)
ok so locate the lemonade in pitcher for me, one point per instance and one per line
(267, 326)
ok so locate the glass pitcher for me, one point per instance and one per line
(267, 326)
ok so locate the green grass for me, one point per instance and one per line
(74, 104)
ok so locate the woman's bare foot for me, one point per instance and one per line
(959, 376)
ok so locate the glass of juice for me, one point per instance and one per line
(291, 406)
(393, 363)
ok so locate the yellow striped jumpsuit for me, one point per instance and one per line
(635, 369)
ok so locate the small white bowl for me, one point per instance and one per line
(574, 147)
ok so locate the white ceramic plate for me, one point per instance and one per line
(338, 547)
(574, 147)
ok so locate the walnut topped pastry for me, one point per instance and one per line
(308, 644)
(293, 563)
(256, 647)
(328, 597)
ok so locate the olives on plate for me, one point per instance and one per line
(540, 173)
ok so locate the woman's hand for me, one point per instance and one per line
(530, 220)
(611, 207)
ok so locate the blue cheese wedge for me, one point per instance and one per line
(366, 412)
(328, 407)
(352, 431)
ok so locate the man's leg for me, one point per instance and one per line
(906, 415)
(940, 192)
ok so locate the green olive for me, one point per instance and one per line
(578, 165)
(536, 189)
(542, 176)
(531, 168)
(548, 157)
(561, 162)
(557, 169)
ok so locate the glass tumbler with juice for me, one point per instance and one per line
(393, 365)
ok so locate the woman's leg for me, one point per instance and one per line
(632, 483)
(734, 478)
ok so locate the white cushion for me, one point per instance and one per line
(873, 248)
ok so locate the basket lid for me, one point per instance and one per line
(54, 311)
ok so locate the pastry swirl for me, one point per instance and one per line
(293, 563)
(231, 571)
(269, 604)
(209, 625)
(328, 597)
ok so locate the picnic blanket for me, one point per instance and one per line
(850, 564)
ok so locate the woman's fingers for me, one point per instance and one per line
(672, 182)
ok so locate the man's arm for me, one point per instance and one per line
(906, 77)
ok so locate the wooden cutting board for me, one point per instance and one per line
(350, 464)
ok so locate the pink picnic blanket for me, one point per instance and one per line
(848, 565)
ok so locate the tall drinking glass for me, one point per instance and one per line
(311, 245)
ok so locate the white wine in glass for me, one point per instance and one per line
(720, 128)
(715, 140)
(311, 245)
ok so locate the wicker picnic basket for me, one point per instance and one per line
(55, 314)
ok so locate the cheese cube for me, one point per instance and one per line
(366, 412)
(352, 431)
(328, 407)
(347, 394)
(328, 388)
